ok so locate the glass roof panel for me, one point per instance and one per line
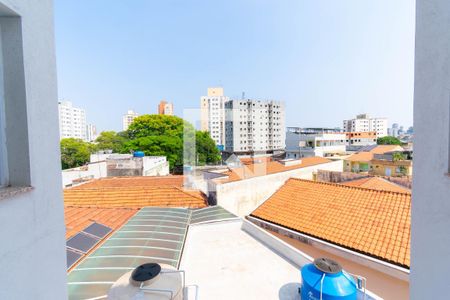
(154, 228)
(97, 275)
(132, 242)
(87, 291)
(136, 251)
(149, 235)
(211, 214)
(152, 235)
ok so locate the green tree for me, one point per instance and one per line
(110, 140)
(156, 125)
(388, 140)
(75, 152)
(171, 147)
(165, 135)
(396, 156)
(207, 151)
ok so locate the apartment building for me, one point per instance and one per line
(91, 132)
(212, 109)
(361, 138)
(128, 118)
(72, 121)
(307, 142)
(254, 126)
(165, 108)
(364, 123)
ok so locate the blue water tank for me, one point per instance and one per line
(138, 154)
(336, 285)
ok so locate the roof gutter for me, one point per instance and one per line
(362, 259)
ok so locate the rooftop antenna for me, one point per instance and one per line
(243, 95)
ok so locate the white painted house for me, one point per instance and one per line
(310, 142)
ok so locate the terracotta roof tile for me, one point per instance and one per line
(146, 181)
(271, 167)
(381, 149)
(361, 156)
(134, 197)
(367, 156)
(375, 223)
(377, 183)
(78, 218)
(134, 192)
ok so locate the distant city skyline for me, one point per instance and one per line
(308, 54)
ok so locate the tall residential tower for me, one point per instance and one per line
(254, 127)
(128, 118)
(213, 114)
(165, 108)
(72, 121)
(363, 123)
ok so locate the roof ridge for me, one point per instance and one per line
(391, 182)
(183, 191)
(348, 187)
(101, 188)
(96, 207)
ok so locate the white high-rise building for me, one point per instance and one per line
(213, 114)
(91, 132)
(253, 126)
(363, 123)
(72, 121)
(128, 118)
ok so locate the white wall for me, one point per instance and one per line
(242, 197)
(430, 244)
(155, 166)
(32, 231)
(91, 171)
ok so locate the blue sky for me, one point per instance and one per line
(328, 60)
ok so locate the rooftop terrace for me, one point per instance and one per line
(224, 257)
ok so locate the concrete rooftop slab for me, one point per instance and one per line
(226, 262)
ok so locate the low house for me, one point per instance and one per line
(110, 165)
(361, 161)
(391, 164)
(368, 231)
(309, 142)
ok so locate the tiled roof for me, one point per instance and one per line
(78, 218)
(272, 167)
(377, 183)
(251, 160)
(381, 149)
(361, 156)
(134, 197)
(134, 192)
(375, 223)
(147, 181)
(367, 156)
